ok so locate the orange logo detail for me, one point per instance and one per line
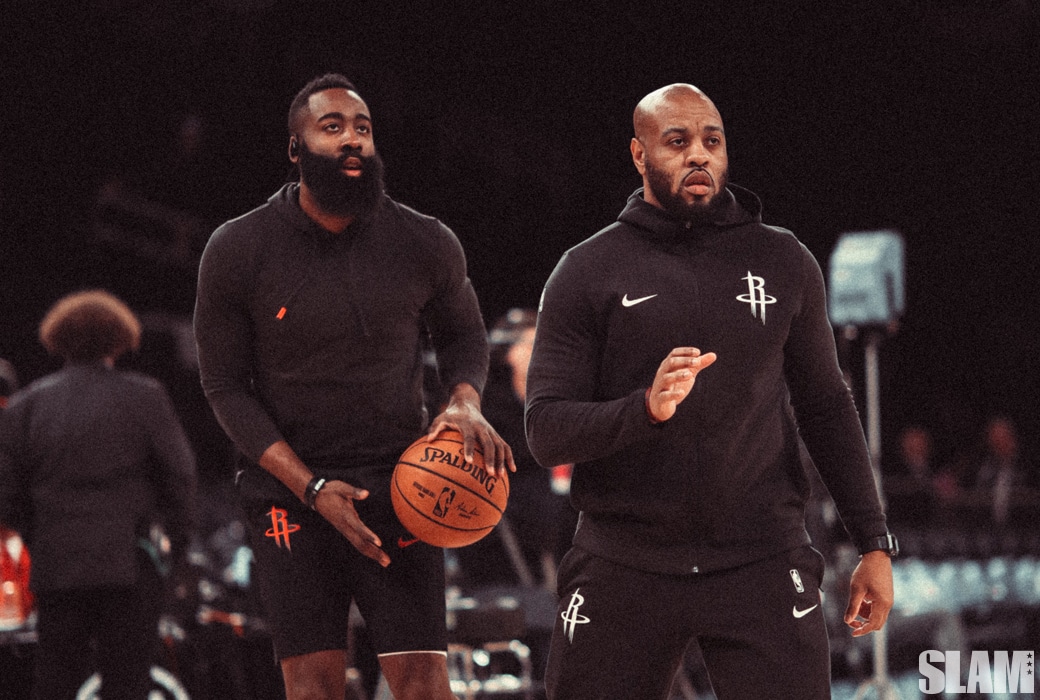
(280, 528)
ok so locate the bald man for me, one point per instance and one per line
(682, 353)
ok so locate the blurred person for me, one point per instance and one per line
(312, 315)
(8, 381)
(91, 456)
(1000, 477)
(910, 484)
(681, 356)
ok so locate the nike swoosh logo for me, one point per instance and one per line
(402, 542)
(625, 301)
(802, 613)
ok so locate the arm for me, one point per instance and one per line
(460, 341)
(176, 478)
(828, 421)
(567, 418)
(830, 426)
(224, 341)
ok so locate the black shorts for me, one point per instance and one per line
(622, 633)
(308, 574)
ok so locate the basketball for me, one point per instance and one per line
(442, 499)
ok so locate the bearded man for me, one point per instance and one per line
(681, 356)
(310, 322)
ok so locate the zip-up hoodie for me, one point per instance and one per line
(722, 483)
(317, 338)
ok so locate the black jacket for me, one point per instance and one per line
(722, 482)
(317, 338)
(89, 457)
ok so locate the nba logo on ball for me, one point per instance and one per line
(441, 498)
(447, 496)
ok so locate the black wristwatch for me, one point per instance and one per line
(887, 543)
(311, 492)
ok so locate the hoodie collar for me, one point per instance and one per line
(286, 201)
(742, 207)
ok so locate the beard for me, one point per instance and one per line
(337, 193)
(697, 212)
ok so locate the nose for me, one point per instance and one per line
(351, 140)
(697, 154)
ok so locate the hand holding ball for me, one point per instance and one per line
(441, 498)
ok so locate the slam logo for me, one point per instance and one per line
(1005, 672)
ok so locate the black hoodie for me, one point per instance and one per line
(316, 338)
(722, 482)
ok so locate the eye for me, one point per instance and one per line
(678, 141)
(363, 129)
(714, 140)
(331, 127)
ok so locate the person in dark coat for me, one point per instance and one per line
(91, 458)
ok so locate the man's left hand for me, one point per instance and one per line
(463, 414)
(870, 594)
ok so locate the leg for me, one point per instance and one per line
(766, 635)
(619, 632)
(127, 634)
(417, 675)
(318, 676)
(304, 580)
(63, 659)
(404, 611)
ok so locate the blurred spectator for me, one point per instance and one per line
(990, 485)
(540, 515)
(8, 381)
(1000, 485)
(910, 484)
(91, 459)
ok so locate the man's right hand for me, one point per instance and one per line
(674, 380)
(335, 502)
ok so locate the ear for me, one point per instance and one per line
(638, 155)
(294, 148)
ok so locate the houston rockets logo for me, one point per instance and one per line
(757, 297)
(571, 617)
(280, 527)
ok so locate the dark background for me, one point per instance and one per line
(511, 122)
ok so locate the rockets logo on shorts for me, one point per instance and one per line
(280, 528)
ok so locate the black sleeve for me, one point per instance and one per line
(565, 422)
(224, 341)
(454, 320)
(827, 417)
(176, 477)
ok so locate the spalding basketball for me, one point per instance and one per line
(442, 499)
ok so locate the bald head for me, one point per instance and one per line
(670, 98)
(679, 148)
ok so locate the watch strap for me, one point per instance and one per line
(886, 543)
(311, 492)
